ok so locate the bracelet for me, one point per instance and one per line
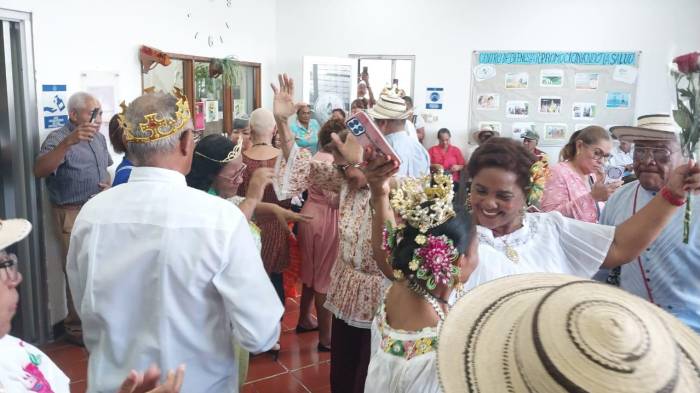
(344, 167)
(670, 198)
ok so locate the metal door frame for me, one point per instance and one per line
(21, 100)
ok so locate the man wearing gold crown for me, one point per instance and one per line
(167, 274)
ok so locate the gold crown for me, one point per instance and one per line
(414, 192)
(156, 126)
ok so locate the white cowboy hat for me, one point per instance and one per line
(649, 128)
(12, 231)
(389, 106)
(558, 333)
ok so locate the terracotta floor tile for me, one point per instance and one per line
(300, 367)
(78, 387)
(248, 388)
(68, 355)
(285, 383)
(315, 376)
(262, 366)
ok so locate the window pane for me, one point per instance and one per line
(379, 74)
(209, 100)
(164, 78)
(244, 93)
(403, 74)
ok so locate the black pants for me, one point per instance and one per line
(278, 282)
(349, 357)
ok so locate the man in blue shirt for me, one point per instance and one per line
(667, 273)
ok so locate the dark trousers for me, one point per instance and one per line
(278, 283)
(349, 357)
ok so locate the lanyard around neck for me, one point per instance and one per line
(639, 258)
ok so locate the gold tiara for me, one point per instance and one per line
(412, 194)
(232, 155)
(156, 126)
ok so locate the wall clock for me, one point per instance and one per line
(210, 21)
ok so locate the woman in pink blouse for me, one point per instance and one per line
(446, 156)
(576, 185)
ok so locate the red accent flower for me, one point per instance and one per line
(688, 63)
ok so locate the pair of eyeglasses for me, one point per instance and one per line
(8, 269)
(660, 155)
(599, 154)
(236, 174)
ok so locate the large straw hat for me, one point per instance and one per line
(558, 333)
(389, 106)
(12, 231)
(649, 128)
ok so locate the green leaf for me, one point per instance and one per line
(685, 93)
(683, 118)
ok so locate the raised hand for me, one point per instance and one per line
(283, 105)
(351, 150)
(685, 178)
(83, 132)
(259, 180)
(378, 172)
(601, 191)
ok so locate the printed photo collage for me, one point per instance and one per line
(542, 102)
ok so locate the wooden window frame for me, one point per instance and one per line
(188, 62)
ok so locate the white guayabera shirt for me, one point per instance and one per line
(167, 274)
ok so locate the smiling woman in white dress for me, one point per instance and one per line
(512, 241)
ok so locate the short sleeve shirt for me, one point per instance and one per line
(82, 169)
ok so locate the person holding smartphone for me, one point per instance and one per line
(74, 159)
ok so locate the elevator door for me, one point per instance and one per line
(19, 139)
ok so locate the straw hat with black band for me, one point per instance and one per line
(658, 127)
(389, 106)
(558, 333)
(13, 231)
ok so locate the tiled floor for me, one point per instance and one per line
(299, 368)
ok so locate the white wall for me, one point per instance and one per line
(73, 36)
(443, 34)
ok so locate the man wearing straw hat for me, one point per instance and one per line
(667, 273)
(390, 114)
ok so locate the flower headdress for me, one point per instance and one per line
(538, 176)
(433, 260)
(156, 126)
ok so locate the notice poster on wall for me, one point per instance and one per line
(54, 104)
(551, 93)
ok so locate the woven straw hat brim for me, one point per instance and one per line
(591, 337)
(649, 128)
(564, 334)
(389, 107)
(12, 231)
(475, 134)
(473, 336)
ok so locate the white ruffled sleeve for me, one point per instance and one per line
(585, 245)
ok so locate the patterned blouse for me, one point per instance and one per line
(356, 282)
(568, 193)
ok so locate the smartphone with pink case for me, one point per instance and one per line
(368, 135)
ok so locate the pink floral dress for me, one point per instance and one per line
(356, 283)
(24, 368)
(568, 193)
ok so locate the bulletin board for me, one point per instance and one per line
(551, 93)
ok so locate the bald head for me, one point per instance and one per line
(262, 125)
